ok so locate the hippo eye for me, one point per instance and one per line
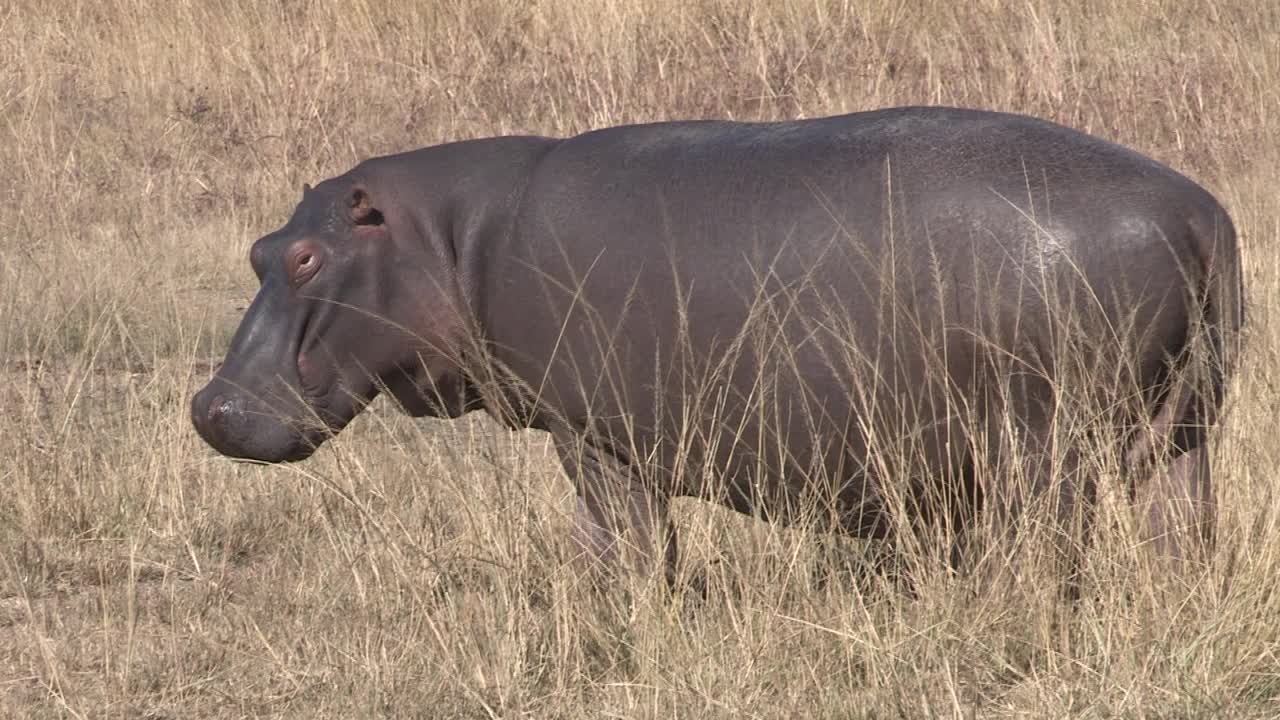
(306, 261)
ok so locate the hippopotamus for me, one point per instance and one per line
(849, 318)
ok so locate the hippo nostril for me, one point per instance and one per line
(221, 410)
(217, 406)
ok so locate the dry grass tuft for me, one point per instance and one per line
(415, 568)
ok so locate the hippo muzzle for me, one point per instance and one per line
(256, 407)
(240, 426)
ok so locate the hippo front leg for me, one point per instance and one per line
(619, 523)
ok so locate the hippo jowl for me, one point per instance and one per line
(771, 305)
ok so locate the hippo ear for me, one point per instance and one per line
(362, 210)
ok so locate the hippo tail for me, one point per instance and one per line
(1195, 393)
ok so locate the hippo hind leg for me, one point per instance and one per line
(1176, 505)
(1040, 484)
(1169, 458)
(1173, 495)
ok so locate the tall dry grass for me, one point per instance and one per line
(415, 568)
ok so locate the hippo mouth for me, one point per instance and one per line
(314, 385)
(324, 396)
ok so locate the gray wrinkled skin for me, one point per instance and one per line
(904, 276)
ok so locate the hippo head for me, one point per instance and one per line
(356, 295)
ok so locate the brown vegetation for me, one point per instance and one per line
(415, 568)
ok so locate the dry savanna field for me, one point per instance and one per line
(416, 568)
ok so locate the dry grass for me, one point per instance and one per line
(415, 568)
